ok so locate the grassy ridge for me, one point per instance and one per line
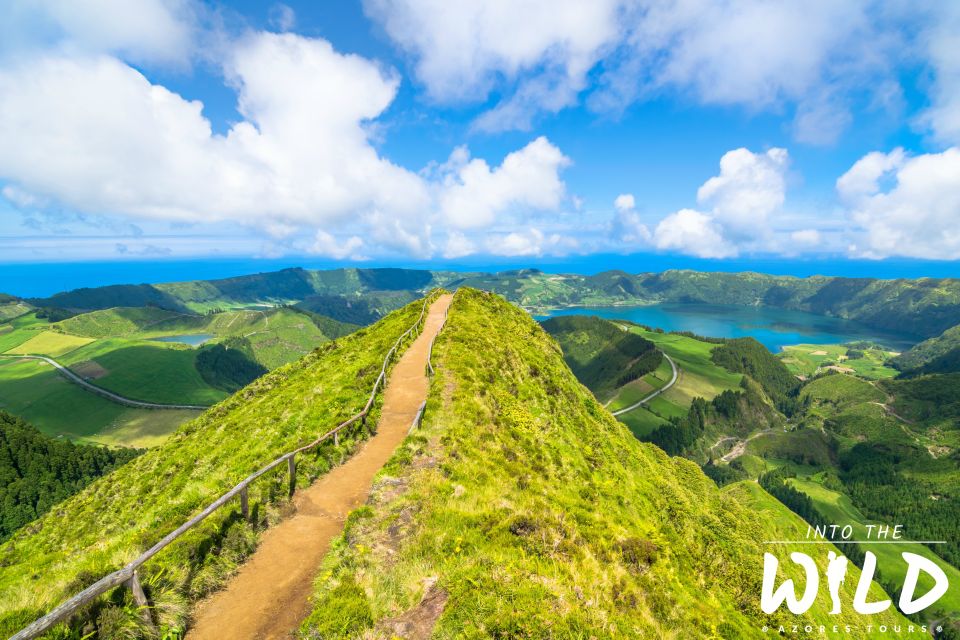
(116, 518)
(533, 513)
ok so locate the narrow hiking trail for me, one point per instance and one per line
(268, 598)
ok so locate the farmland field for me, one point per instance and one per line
(809, 359)
(35, 391)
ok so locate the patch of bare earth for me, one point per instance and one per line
(89, 370)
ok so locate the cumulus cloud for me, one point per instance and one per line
(127, 146)
(95, 135)
(738, 205)
(627, 228)
(529, 242)
(624, 202)
(327, 245)
(693, 233)
(151, 31)
(458, 245)
(749, 188)
(464, 50)
(539, 56)
(905, 206)
(805, 238)
(943, 43)
(472, 193)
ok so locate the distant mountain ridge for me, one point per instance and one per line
(922, 307)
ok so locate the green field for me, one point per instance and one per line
(51, 344)
(838, 509)
(34, 391)
(142, 370)
(639, 389)
(19, 330)
(809, 359)
(10, 310)
(112, 349)
(698, 377)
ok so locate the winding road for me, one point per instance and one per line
(673, 381)
(100, 391)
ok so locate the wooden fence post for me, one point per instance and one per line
(292, 469)
(336, 439)
(244, 504)
(141, 599)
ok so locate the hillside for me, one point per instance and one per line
(114, 519)
(37, 472)
(381, 290)
(940, 354)
(924, 307)
(602, 354)
(522, 509)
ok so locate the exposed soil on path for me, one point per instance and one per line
(269, 596)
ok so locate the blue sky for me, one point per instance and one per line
(414, 131)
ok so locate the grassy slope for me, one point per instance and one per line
(806, 359)
(148, 371)
(699, 376)
(929, 350)
(115, 518)
(35, 392)
(542, 516)
(838, 509)
(13, 309)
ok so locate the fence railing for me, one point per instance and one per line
(128, 575)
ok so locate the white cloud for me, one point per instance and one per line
(143, 31)
(325, 244)
(282, 17)
(465, 50)
(917, 215)
(863, 178)
(693, 233)
(943, 45)
(458, 245)
(98, 136)
(749, 188)
(805, 238)
(815, 58)
(624, 202)
(530, 242)
(473, 194)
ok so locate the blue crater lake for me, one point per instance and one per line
(194, 339)
(774, 328)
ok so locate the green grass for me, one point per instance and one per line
(10, 310)
(838, 509)
(147, 371)
(807, 360)
(540, 516)
(19, 330)
(120, 321)
(35, 392)
(114, 519)
(50, 343)
(699, 377)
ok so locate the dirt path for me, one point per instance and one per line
(268, 598)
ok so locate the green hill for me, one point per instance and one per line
(115, 518)
(527, 511)
(940, 354)
(37, 472)
(924, 307)
(603, 355)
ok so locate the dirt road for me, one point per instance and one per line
(268, 598)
